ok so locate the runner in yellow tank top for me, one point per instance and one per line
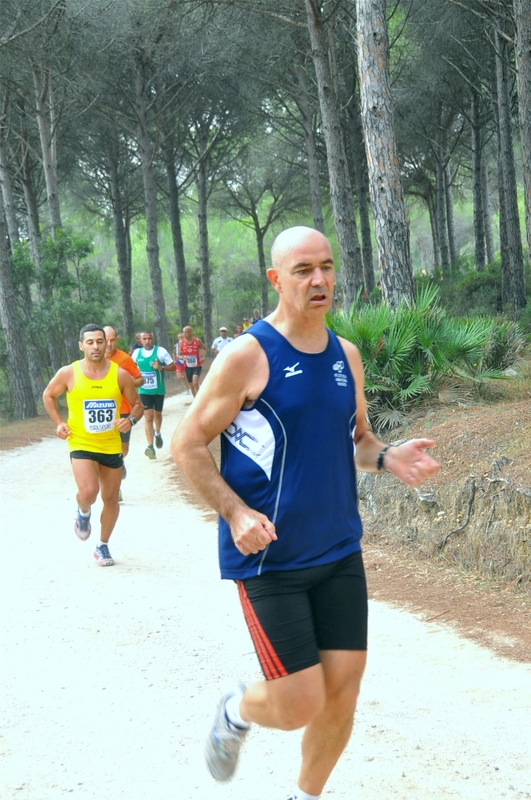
(94, 387)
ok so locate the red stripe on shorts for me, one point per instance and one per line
(269, 660)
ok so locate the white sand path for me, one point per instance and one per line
(110, 676)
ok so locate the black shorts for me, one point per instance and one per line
(293, 615)
(125, 437)
(191, 371)
(113, 461)
(152, 401)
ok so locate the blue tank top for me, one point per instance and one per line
(291, 456)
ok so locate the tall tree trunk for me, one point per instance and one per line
(32, 207)
(359, 164)
(17, 358)
(441, 198)
(124, 269)
(487, 209)
(7, 195)
(204, 259)
(150, 204)
(177, 235)
(512, 260)
(392, 234)
(303, 104)
(450, 216)
(24, 288)
(433, 226)
(477, 184)
(46, 134)
(522, 15)
(340, 188)
(259, 234)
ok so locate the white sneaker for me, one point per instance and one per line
(225, 740)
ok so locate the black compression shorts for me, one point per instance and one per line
(152, 401)
(113, 460)
(191, 371)
(291, 616)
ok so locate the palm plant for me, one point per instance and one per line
(417, 352)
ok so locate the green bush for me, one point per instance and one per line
(420, 352)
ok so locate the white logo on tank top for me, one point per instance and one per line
(291, 371)
(340, 378)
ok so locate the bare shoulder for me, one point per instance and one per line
(62, 381)
(241, 367)
(353, 355)
(236, 378)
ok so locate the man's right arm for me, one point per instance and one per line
(61, 382)
(223, 393)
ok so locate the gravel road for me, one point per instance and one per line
(110, 676)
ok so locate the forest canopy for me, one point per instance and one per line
(150, 150)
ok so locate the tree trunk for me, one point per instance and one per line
(32, 207)
(150, 202)
(24, 288)
(259, 234)
(303, 105)
(512, 260)
(7, 195)
(450, 216)
(41, 84)
(433, 226)
(522, 15)
(385, 184)
(359, 164)
(477, 184)
(177, 236)
(441, 198)
(204, 260)
(17, 358)
(340, 188)
(487, 209)
(124, 269)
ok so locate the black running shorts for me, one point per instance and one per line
(291, 616)
(113, 460)
(191, 371)
(152, 401)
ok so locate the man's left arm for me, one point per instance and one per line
(408, 461)
(164, 362)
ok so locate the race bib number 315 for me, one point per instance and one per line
(99, 415)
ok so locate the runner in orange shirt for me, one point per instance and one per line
(124, 361)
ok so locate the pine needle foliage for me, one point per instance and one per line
(417, 353)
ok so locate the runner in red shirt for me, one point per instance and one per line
(193, 352)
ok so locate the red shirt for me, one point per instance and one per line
(190, 353)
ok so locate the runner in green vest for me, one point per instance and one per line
(153, 361)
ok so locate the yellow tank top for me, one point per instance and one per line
(93, 407)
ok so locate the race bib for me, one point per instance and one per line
(99, 415)
(191, 361)
(150, 380)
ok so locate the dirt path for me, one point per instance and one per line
(110, 676)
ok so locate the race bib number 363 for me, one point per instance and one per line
(99, 415)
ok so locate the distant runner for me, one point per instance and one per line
(193, 351)
(153, 361)
(95, 387)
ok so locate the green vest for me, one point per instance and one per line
(153, 378)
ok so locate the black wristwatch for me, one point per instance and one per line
(132, 420)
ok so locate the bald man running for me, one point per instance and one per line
(288, 399)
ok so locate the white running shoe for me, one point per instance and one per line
(224, 741)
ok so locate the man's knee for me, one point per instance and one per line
(87, 495)
(299, 699)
